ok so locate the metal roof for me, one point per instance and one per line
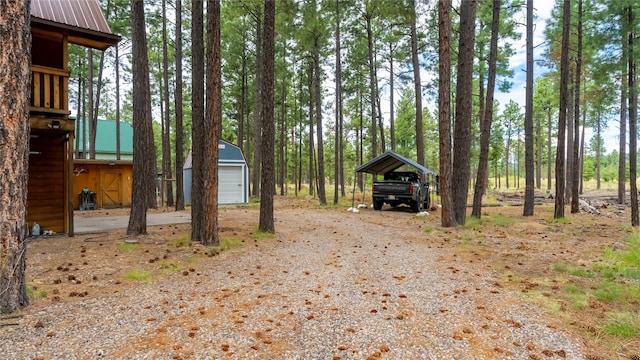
(106, 136)
(390, 161)
(81, 19)
(227, 153)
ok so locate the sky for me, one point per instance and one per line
(542, 11)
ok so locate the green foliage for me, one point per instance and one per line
(126, 246)
(169, 267)
(138, 274)
(182, 241)
(571, 270)
(623, 263)
(623, 325)
(33, 291)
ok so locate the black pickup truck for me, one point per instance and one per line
(401, 187)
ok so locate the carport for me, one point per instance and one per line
(390, 161)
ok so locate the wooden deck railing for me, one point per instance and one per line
(49, 90)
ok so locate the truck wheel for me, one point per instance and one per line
(377, 204)
(427, 203)
(415, 206)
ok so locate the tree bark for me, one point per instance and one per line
(529, 191)
(372, 88)
(178, 106)
(257, 111)
(487, 118)
(267, 184)
(15, 75)
(117, 71)
(633, 120)
(197, 119)
(444, 114)
(318, 99)
(338, 131)
(417, 85)
(622, 153)
(166, 129)
(92, 124)
(575, 183)
(558, 211)
(211, 128)
(462, 128)
(143, 164)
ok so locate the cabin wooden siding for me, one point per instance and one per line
(110, 180)
(47, 180)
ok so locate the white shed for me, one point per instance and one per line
(233, 175)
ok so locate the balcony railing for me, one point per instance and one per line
(49, 90)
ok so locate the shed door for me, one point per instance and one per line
(230, 185)
(111, 181)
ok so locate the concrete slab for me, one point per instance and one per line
(104, 223)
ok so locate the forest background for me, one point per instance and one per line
(314, 141)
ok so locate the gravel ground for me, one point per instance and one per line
(326, 287)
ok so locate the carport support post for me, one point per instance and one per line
(70, 193)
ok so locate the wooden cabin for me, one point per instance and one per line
(54, 25)
(110, 179)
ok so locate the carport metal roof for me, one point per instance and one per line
(390, 161)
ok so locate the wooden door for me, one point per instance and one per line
(111, 189)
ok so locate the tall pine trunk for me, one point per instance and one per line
(211, 128)
(575, 181)
(529, 191)
(197, 118)
(143, 163)
(178, 106)
(318, 99)
(487, 118)
(464, 95)
(622, 152)
(417, 85)
(267, 184)
(338, 131)
(257, 111)
(15, 75)
(166, 129)
(558, 211)
(444, 111)
(633, 120)
(372, 88)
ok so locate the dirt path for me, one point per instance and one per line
(330, 284)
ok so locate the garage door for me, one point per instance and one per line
(230, 186)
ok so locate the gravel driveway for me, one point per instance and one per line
(329, 285)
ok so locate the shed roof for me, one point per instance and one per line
(106, 136)
(390, 161)
(82, 20)
(227, 153)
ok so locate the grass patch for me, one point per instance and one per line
(560, 221)
(578, 301)
(473, 223)
(225, 244)
(182, 241)
(262, 235)
(502, 221)
(550, 304)
(624, 325)
(125, 246)
(623, 263)
(228, 244)
(34, 292)
(572, 270)
(169, 267)
(137, 274)
(610, 291)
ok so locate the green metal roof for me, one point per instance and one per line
(106, 136)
